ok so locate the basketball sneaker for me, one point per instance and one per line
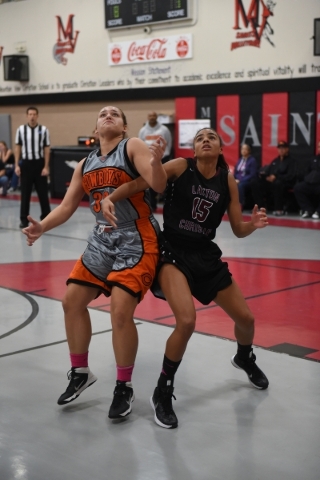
(256, 376)
(80, 379)
(122, 400)
(161, 402)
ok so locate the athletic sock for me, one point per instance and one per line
(124, 374)
(244, 351)
(169, 368)
(79, 360)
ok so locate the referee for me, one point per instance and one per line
(32, 164)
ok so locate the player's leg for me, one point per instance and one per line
(125, 345)
(78, 330)
(177, 292)
(233, 303)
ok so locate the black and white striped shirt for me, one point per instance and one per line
(32, 140)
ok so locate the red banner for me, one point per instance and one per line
(317, 138)
(185, 109)
(274, 124)
(228, 126)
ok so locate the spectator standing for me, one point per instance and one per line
(149, 133)
(245, 171)
(307, 192)
(275, 180)
(33, 149)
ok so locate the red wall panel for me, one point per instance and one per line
(317, 137)
(185, 109)
(228, 126)
(274, 124)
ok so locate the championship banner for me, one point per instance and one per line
(274, 124)
(159, 49)
(228, 126)
(302, 124)
(251, 123)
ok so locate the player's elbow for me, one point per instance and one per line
(160, 186)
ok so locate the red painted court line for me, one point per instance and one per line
(282, 294)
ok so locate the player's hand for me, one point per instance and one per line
(259, 217)
(33, 231)
(108, 211)
(157, 149)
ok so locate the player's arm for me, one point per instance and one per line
(62, 213)
(240, 228)
(147, 161)
(125, 190)
(173, 169)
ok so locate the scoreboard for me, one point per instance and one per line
(128, 13)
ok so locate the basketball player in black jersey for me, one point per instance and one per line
(199, 191)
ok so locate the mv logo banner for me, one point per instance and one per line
(255, 22)
(67, 40)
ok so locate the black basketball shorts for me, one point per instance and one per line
(206, 273)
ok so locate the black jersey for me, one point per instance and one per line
(195, 206)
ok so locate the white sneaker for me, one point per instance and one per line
(305, 215)
(316, 216)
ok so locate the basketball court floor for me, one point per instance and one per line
(227, 430)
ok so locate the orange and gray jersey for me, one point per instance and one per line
(102, 174)
(127, 256)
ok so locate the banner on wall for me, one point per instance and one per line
(251, 123)
(228, 125)
(206, 107)
(262, 121)
(274, 123)
(188, 129)
(159, 49)
(302, 123)
(317, 121)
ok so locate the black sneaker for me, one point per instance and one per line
(161, 402)
(255, 375)
(122, 400)
(80, 379)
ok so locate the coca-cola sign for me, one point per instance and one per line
(152, 51)
(157, 49)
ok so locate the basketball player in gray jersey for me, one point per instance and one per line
(108, 266)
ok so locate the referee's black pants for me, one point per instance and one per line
(30, 174)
